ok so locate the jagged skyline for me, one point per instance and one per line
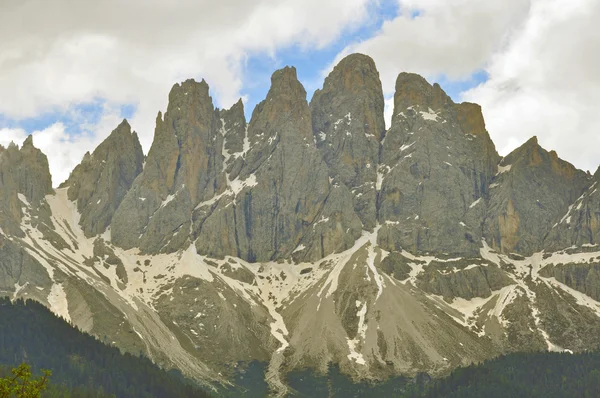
(513, 58)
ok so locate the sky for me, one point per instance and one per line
(71, 71)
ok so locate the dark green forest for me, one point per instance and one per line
(520, 375)
(540, 374)
(84, 367)
(81, 365)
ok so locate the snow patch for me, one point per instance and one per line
(429, 115)
(299, 248)
(474, 203)
(58, 301)
(504, 169)
(23, 199)
(406, 146)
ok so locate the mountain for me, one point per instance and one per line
(310, 236)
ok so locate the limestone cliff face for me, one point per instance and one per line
(234, 130)
(437, 161)
(183, 168)
(580, 225)
(348, 124)
(101, 181)
(531, 192)
(24, 180)
(280, 200)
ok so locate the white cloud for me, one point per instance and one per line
(60, 147)
(546, 83)
(133, 52)
(542, 57)
(64, 150)
(450, 37)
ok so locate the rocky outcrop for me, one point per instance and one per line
(280, 200)
(233, 123)
(18, 268)
(464, 279)
(184, 167)
(101, 181)
(24, 181)
(437, 161)
(584, 278)
(580, 226)
(531, 192)
(348, 124)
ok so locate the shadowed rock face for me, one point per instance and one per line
(531, 192)
(437, 159)
(287, 203)
(580, 224)
(101, 181)
(348, 124)
(184, 167)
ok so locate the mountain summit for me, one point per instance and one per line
(310, 235)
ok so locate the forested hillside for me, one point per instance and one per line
(540, 374)
(81, 365)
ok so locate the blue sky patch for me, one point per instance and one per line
(309, 63)
(74, 119)
(257, 70)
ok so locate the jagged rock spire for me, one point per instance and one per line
(101, 181)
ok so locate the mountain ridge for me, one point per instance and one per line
(310, 234)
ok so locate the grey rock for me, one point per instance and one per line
(287, 203)
(452, 279)
(19, 268)
(581, 223)
(348, 124)
(396, 265)
(583, 277)
(531, 192)
(183, 168)
(101, 181)
(23, 171)
(437, 161)
(234, 129)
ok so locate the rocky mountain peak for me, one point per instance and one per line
(531, 154)
(413, 91)
(184, 167)
(470, 119)
(102, 179)
(188, 92)
(234, 129)
(284, 105)
(286, 94)
(348, 124)
(28, 141)
(531, 191)
(310, 235)
(25, 180)
(33, 172)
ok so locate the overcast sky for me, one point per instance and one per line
(71, 70)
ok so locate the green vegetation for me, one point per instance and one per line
(81, 365)
(19, 383)
(532, 375)
(540, 374)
